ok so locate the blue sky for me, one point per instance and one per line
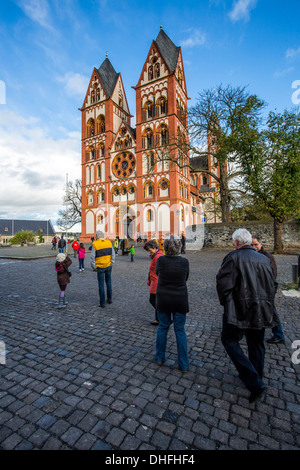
(48, 49)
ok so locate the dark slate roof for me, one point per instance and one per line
(26, 225)
(108, 77)
(168, 50)
(199, 163)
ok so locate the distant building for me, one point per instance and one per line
(9, 227)
(128, 179)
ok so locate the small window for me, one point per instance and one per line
(149, 215)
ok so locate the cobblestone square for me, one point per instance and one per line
(85, 378)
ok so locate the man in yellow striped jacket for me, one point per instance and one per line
(102, 258)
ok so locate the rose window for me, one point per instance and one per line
(123, 165)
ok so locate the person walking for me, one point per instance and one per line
(154, 252)
(75, 246)
(132, 252)
(54, 242)
(172, 300)
(62, 264)
(81, 256)
(116, 245)
(278, 335)
(182, 244)
(102, 257)
(246, 288)
(61, 245)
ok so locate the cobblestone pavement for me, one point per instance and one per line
(85, 378)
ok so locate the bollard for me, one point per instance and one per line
(295, 272)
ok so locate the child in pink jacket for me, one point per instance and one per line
(81, 255)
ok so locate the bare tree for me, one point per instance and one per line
(71, 214)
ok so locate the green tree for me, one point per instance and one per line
(272, 167)
(215, 124)
(23, 236)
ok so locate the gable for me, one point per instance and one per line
(124, 139)
(119, 95)
(94, 85)
(164, 54)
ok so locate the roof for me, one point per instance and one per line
(199, 163)
(15, 226)
(108, 76)
(168, 50)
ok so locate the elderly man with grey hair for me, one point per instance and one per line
(246, 288)
(102, 257)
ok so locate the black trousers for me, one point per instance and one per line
(250, 368)
(153, 303)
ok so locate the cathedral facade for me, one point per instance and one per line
(137, 181)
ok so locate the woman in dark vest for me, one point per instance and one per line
(172, 299)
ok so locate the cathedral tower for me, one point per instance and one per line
(137, 179)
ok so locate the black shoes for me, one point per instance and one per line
(275, 340)
(257, 394)
(108, 301)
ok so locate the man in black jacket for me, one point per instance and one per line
(278, 336)
(246, 288)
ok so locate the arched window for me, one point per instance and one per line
(164, 134)
(150, 109)
(150, 72)
(151, 161)
(157, 70)
(148, 138)
(162, 104)
(100, 124)
(149, 189)
(98, 94)
(93, 152)
(100, 196)
(163, 186)
(131, 188)
(90, 127)
(150, 215)
(90, 198)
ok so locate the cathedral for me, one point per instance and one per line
(137, 182)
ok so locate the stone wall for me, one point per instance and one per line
(220, 235)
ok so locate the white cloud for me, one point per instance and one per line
(241, 10)
(33, 167)
(292, 53)
(75, 84)
(37, 10)
(196, 38)
(283, 73)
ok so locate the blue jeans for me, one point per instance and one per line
(161, 338)
(250, 368)
(277, 331)
(81, 263)
(104, 274)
